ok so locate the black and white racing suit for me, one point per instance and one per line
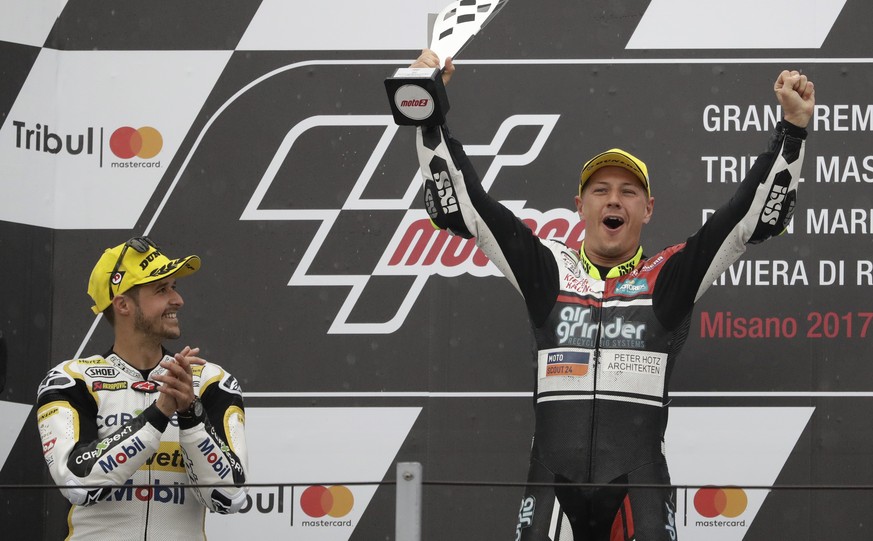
(100, 427)
(607, 339)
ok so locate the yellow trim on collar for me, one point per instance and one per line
(616, 271)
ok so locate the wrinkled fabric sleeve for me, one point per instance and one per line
(215, 444)
(74, 453)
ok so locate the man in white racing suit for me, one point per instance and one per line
(609, 321)
(123, 431)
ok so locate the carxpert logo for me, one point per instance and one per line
(720, 507)
(125, 143)
(416, 248)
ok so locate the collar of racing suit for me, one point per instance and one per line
(622, 268)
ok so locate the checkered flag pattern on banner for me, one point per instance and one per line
(458, 22)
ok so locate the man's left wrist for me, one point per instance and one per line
(193, 412)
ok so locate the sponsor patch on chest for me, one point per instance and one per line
(567, 363)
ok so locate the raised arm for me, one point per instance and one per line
(761, 208)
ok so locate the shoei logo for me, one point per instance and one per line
(416, 248)
(105, 372)
(729, 502)
(318, 501)
(127, 142)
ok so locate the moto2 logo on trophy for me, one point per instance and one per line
(416, 248)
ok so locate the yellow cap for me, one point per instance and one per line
(137, 261)
(619, 158)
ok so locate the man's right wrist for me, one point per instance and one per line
(156, 417)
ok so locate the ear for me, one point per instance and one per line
(578, 201)
(123, 305)
(650, 209)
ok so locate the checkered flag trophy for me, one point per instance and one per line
(417, 95)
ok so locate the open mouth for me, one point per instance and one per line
(613, 222)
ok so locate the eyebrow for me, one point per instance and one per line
(157, 284)
(623, 183)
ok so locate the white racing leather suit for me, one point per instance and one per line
(102, 435)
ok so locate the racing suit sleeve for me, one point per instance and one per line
(213, 442)
(761, 208)
(455, 200)
(75, 455)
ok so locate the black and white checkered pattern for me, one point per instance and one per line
(468, 11)
(459, 22)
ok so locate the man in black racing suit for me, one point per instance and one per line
(609, 321)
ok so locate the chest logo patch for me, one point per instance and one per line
(632, 286)
(567, 363)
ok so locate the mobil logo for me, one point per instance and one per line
(335, 501)
(416, 248)
(712, 501)
(145, 142)
(133, 447)
(214, 456)
(168, 493)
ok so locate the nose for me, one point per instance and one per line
(176, 299)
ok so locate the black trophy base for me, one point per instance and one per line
(417, 97)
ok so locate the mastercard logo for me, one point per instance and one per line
(127, 142)
(728, 502)
(336, 501)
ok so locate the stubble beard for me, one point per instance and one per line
(155, 327)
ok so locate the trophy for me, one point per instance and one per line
(417, 95)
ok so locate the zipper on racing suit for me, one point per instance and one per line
(592, 436)
(146, 402)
